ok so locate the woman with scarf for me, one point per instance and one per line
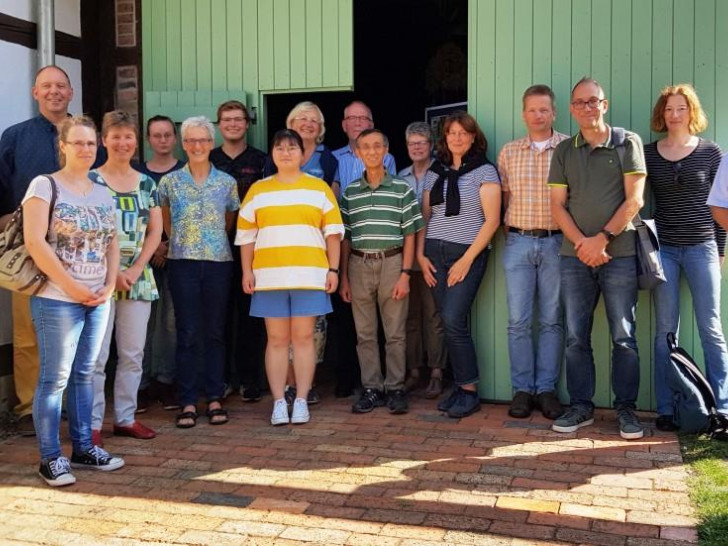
(461, 203)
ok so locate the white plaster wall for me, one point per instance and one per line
(19, 66)
(68, 13)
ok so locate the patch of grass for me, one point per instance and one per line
(708, 460)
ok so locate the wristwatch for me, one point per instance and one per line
(407, 272)
(608, 234)
(333, 270)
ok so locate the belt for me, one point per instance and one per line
(540, 233)
(377, 255)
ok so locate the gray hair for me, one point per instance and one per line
(418, 128)
(305, 106)
(195, 122)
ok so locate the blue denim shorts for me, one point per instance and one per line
(290, 303)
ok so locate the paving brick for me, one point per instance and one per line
(620, 480)
(658, 518)
(361, 539)
(594, 512)
(530, 505)
(559, 520)
(211, 537)
(626, 529)
(686, 534)
(523, 530)
(279, 505)
(395, 516)
(589, 537)
(412, 532)
(479, 539)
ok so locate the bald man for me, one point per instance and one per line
(27, 150)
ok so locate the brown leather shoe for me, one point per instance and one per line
(137, 430)
(413, 381)
(25, 426)
(434, 389)
(549, 404)
(522, 405)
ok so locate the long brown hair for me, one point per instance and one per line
(467, 122)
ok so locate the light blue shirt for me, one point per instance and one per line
(408, 174)
(351, 167)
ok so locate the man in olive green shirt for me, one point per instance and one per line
(595, 194)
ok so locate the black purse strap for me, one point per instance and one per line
(54, 198)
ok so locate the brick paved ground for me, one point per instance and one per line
(416, 479)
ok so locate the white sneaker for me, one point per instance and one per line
(300, 413)
(280, 413)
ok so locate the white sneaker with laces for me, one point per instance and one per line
(300, 413)
(280, 413)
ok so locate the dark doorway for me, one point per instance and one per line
(408, 55)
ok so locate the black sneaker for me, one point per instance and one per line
(446, 403)
(467, 403)
(313, 397)
(143, 398)
(368, 400)
(250, 394)
(56, 472)
(97, 459)
(167, 395)
(397, 402)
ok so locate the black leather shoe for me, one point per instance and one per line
(549, 404)
(522, 405)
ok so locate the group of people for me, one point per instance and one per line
(148, 252)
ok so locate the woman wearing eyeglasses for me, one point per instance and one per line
(75, 244)
(290, 230)
(461, 203)
(308, 121)
(199, 204)
(680, 170)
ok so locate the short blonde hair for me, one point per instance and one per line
(308, 106)
(698, 120)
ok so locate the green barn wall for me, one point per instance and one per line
(197, 53)
(634, 48)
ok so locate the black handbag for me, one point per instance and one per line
(650, 273)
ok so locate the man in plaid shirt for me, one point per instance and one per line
(531, 259)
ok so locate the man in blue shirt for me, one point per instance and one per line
(27, 150)
(357, 118)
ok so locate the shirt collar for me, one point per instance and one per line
(580, 141)
(386, 181)
(527, 141)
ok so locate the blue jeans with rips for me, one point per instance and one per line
(454, 303)
(701, 266)
(581, 287)
(69, 341)
(533, 275)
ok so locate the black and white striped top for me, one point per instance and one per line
(464, 227)
(681, 190)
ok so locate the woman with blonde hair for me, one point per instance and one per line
(139, 230)
(74, 243)
(681, 167)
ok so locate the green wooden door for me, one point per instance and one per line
(199, 53)
(634, 48)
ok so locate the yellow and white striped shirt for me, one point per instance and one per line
(289, 224)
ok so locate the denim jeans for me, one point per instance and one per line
(580, 289)
(701, 267)
(454, 303)
(69, 342)
(200, 292)
(533, 275)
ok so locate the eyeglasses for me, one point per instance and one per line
(593, 103)
(455, 134)
(304, 119)
(361, 119)
(239, 119)
(676, 168)
(196, 141)
(418, 143)
(82, 143)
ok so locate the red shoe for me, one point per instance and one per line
(137, 430)
(96, 437)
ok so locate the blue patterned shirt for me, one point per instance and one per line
(198, 214)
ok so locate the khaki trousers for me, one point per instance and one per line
(25, 354)
(372, 282)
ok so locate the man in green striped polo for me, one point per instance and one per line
(381, 216)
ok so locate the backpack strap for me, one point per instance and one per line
(619, 135)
